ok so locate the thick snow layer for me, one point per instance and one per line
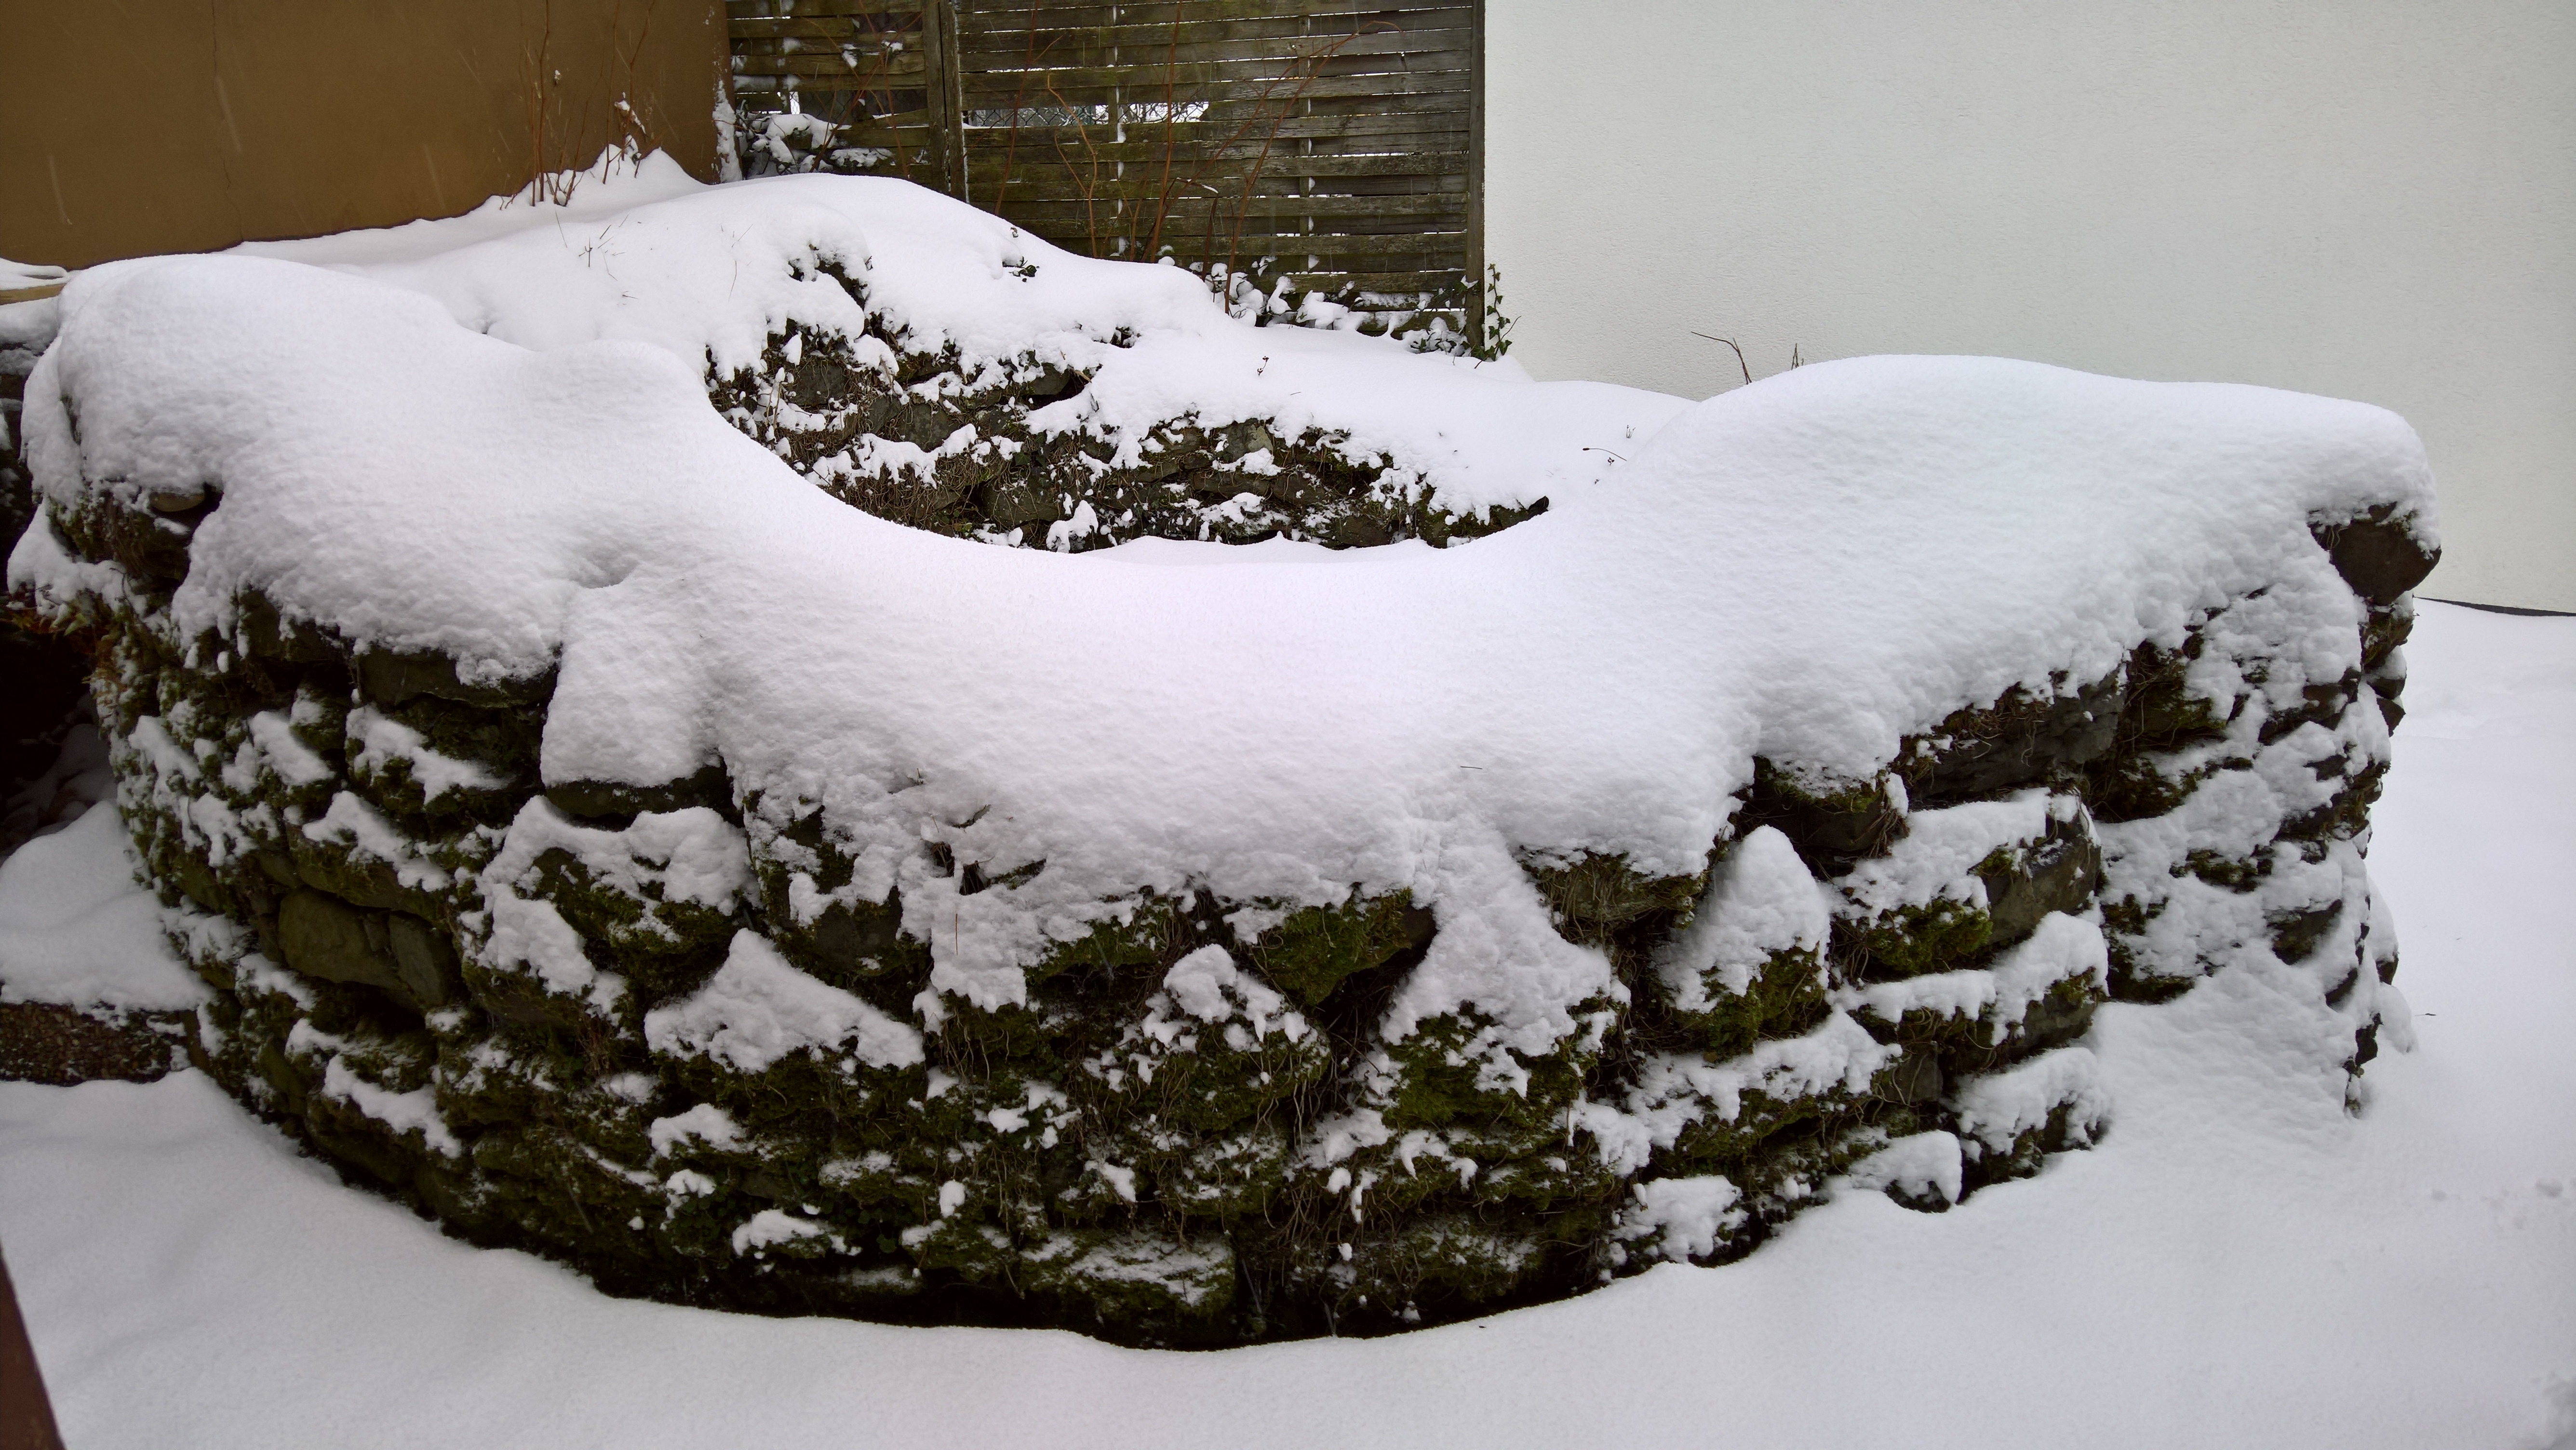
(757, 1009)
(707, 274)
(1941, 851)
(1772, 573)
(76, 930)
(2240, 1263)
(1760, 902)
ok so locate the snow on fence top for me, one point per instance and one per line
(477, 456)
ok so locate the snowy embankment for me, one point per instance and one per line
(2243, 1263)
(597, 831)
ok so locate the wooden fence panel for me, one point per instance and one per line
(1334, 143)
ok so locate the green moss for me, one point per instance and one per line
(1312, 951)
(1171, 1286)
(502, 743)
(358, 876)
(2235, 873)
(1594, 898)
(1200, 1078)
(1833, 823)
(832, 1100)
(2026, 1154)
(856, 945)
(1713, 1143)
(1145, 935)
(1009, 482)
(1910, 940)
(1392, 1274)
(563, 1190)
(1443, 1076)
(1784, 998)
(1794, 1164)
(665, 946)
(2296, 934)
(1221, 1176)
(1981, 1041)
(2026, 737)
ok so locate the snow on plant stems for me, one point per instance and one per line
(600, 832)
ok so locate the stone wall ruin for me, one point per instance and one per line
(1195, 1131)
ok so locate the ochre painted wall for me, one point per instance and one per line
(130, 127)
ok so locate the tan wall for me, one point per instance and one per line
(146, 126)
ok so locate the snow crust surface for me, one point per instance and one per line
(707, 274)
(76, 930)
(1760, 902)
(2241, 1263)
(757, 1009)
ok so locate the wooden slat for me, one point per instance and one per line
(736, 10)
(1366, 135)
(1377, 51)
(1036, 178)
(1319, 273)
(1342, 214)
(905, 73)
(1423, 281)
(1446, 251)
(1343, 14)
(1286, 167)
(833, 29)
(1203, 78)
(1008, 35)
(1143, 83)
(1437, 110)
(1422, 133)
(1415, 248)
(826, 86)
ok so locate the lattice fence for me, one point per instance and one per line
(1330, 147)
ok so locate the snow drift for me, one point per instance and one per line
(598, 831)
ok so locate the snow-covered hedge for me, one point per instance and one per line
(612, 841)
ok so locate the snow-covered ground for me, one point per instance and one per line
(2240, 1263)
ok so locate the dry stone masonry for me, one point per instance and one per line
(689, 1033)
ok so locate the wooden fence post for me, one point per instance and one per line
(947, 95)
(1476, 181)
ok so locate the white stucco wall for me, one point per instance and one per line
(2355, 197)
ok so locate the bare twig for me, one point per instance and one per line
(1090, 185)
(1314, 68)
(1743, 366)
(1019, 96)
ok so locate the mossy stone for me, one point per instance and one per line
(2378, 554)
(2020, 740)
(1593, 898)
(1784, 998)
(360, 879)
(391, 677)
(327, 938)
(2056, 873)
(1312, 951)
(1831, 827)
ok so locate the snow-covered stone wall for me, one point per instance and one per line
(602, 835)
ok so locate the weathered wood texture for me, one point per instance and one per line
(1333, 142)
